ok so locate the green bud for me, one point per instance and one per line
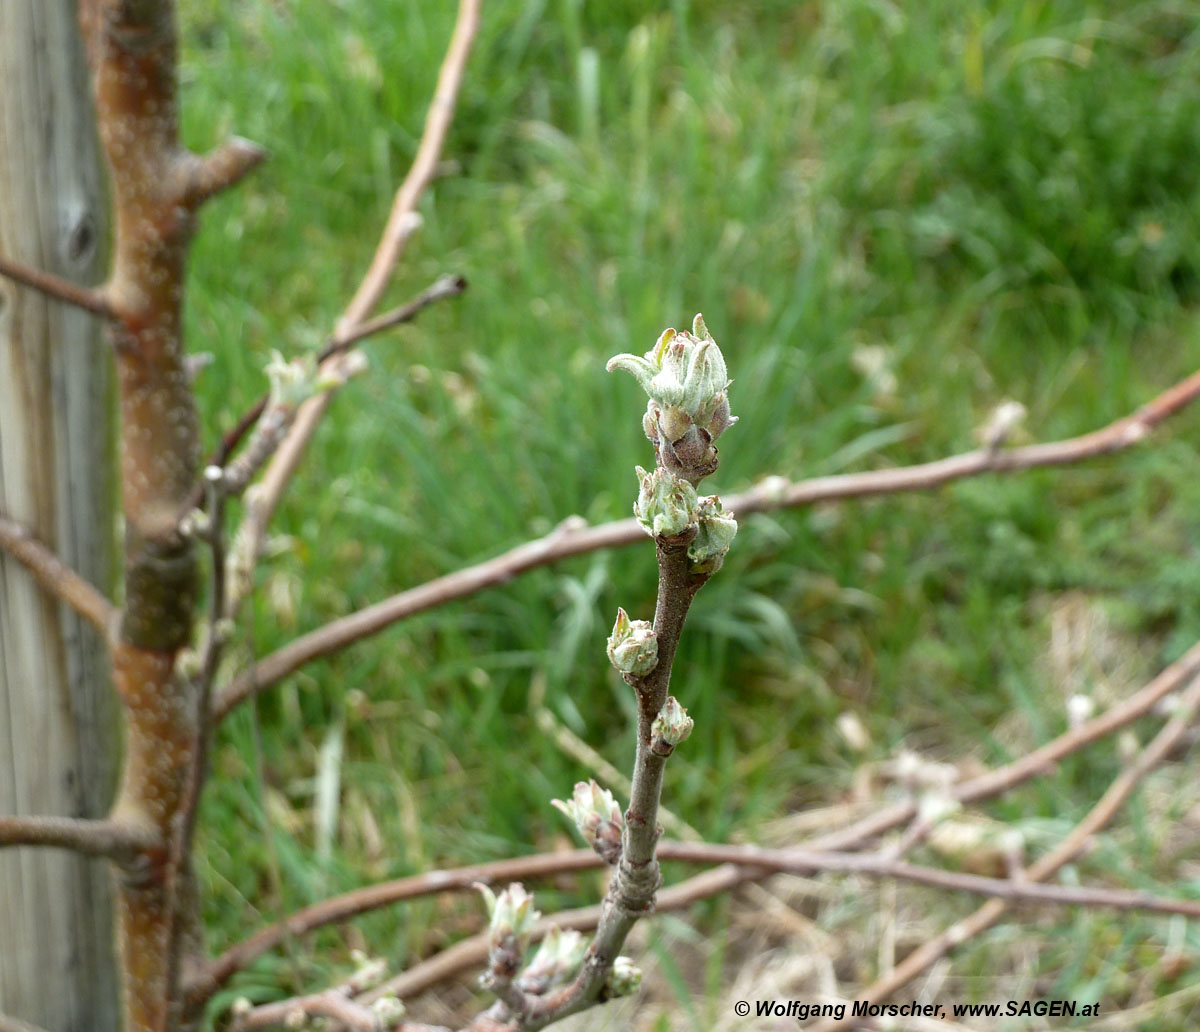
(715, 532)
(292, 382)
(666, 504)
(512, 914)
(624, 978)
(597, 816)
(388, 1010)
(683, 369)
(633, 645)
(670, 727)
(557, 960)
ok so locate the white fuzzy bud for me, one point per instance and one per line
(597, 816)
(633, 645)
(666, 504)
(624, 978)
(670, 727)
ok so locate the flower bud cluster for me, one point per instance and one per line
(670, 727)
(557, 960)
(685, 376)
(512, 916)
(666, 503)
(597, 816)
(633, 645)
(715, 531)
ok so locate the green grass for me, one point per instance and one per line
(1001, 199)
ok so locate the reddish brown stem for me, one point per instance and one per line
(90, 299)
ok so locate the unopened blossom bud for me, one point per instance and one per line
(633, 645)
(624, 978)
(388, 1010)
(512, 914)
(666, 504)
(670, 727)
(556, 961)
(597, 816)
(715, 532)
(292, 381)
(687, 381)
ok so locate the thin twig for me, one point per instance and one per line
(328, 1004)
(795, 861)
(90, 299)
(351, 904)
(1075, 842)
(402, 221)
(443, 287)
(210, 658)
(1040, 761)
(473, 952)
(573, 537)
(118, 840)
(56, 576)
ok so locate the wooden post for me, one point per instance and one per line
(58, 733)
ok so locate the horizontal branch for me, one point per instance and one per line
(90, 299)
(800, 861)
(473, 952)
(351, 904)
(804, 861)
(293, 1013)
(117, 840)
(930, 952)
(56, 576)
(573, 537)
(1041, 760)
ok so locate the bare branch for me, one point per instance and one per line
(402, 221)
(473, 952)
(90, 299)
(442, 287)
(803, 861)
(1040, 761)
(437, 124)
(199, 178)
(118, 840)
(573, 537)
(328, 1004)
(351, 904)
(1118, 792)
(56, 576)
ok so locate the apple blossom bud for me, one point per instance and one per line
(597, 816)
(624, 978)
(633, 645)
(512, 914)
(557, 960)
(716, 530)
(666, 504)
(670, 727)
(388, 1010)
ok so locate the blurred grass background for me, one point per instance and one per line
(893, 217)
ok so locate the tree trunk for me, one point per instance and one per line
(58, 735)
